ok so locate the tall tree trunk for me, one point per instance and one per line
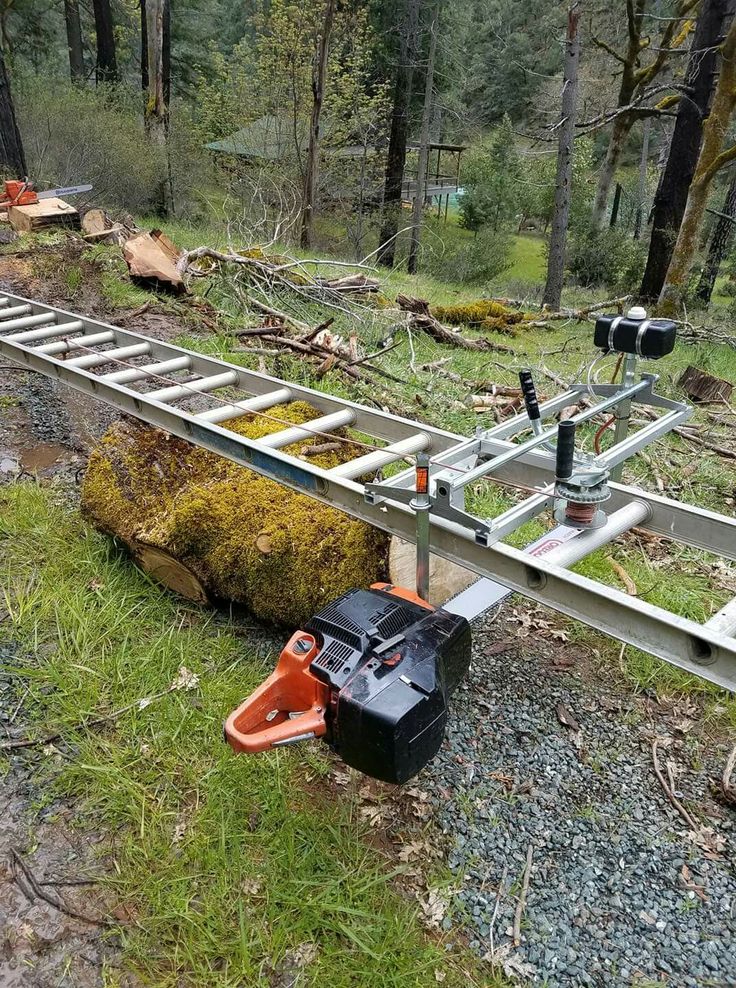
(107, 66)
(675, 181)
(144, 47)
(157, 107)
(12, 158)
(396, 158)
(565, 151)
(74, 39)
(720, 243)
(641, 192)
(616, 205)
(421, 191)
(619, 135)
(711, 159)
(319, 74)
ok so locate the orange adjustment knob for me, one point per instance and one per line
(289, 706)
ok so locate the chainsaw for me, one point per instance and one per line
(23, 193)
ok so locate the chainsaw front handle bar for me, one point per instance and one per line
(288, 707)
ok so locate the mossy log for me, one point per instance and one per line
(211, 529)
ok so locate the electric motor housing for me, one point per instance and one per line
(648, 338)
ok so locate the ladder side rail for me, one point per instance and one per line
(374, 422)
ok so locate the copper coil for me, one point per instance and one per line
(581, 514)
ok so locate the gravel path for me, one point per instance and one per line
(618, 890)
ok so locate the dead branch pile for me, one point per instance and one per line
(421, 319)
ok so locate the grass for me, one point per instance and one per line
(233, 871)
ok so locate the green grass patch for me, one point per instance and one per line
(234, 871)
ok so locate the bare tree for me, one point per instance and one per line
(421, 190)
(565, 151)
(74, 39)
(107, 66)
(319, 75)
(635, 78)
(720, 242)
(641, 192)
(157, 105)
(396, 157)
(713, 156)
(674, 183)
(12, 158)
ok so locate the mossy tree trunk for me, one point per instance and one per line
(674, 185)
(720, 242)
(635, 78)
(712, 158)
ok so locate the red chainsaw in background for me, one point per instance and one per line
(23, 193)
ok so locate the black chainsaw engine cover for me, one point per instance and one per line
(391, 665)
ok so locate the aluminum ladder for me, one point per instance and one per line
(143, 377)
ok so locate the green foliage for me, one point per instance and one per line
(75, 134)
(474, 261)
(491, 177)
(607, 258)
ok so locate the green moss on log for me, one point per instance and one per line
(477, 313)
(246, 538)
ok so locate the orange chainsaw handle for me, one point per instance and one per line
(263, 721)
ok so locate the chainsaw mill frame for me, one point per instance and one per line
(70, 348)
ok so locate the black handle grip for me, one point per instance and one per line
(530, 394)
(565, 449)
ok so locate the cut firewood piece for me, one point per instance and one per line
(43, 215)
(701, 386)
(152, 259)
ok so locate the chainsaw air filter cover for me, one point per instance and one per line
(649, 338)
(390, 662)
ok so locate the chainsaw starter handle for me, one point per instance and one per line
(289, 706)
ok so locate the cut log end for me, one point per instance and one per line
(171, 572)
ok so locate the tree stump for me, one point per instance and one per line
(704, 387)
(212, 530)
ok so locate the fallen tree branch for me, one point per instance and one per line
(728, 790)
(522, 896)
(420, 318)
(686, 816)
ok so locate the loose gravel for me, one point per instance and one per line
(619, 892)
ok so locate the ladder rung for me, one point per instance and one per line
(147, 370)
(724, 622)
(105, 356)
(64, 346)
(308, 431)
(204, 384)
(380, 457)
(16, 310)
(257, 404)
(31, 321)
